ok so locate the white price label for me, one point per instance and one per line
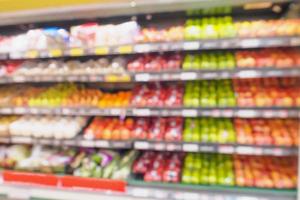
(102, 143)
(194, 45)
(6, 110)
(140, 192)
(141, 145)
(190, 147)
(142, 48)
(171, 147)
(141, 112)
(191, 196)
(144, 77)
(185, 76)
(250, 43)
(189, 113)
(207, 148)
(159, 146)
(248, 74)
(87, 143)
(244, 150)
(247, 113)
(115, 112)
(19, 79)
(23, 140)
(295, 41)
(226, 149)
(19, 110)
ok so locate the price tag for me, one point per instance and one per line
(102, 143)
(141, 112)
(189, 113)
(6, 111)
(32, 54)
(87, 143)
(142, 48)
(190, 147)
(115, 111)
(194, 45)
(248, 74)
(210, 44)
(268, 114)
(4, 140)
(125, 49)
(159, 146)
(44, 141)
(143, 77)
(119, 145)
(282, 113)
(19, 79)
(140, 192)
(55, 52)
(295, 41)
(69, 142)
(207, 148)
(101, 51)
(19, 110)
(227, 113)
(141, 145)
(23, 140)
(34, 111)
(66, 111)
(244, 150)
(209, 75)
(188, 76)
(171, 147)
(191, 196)
(250, 43)
(226, 149)
(247, 113)
(258, 151)
(76, 52)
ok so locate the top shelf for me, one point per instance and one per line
(235, 43)
(114, 8)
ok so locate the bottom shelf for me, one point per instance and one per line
(24, 185)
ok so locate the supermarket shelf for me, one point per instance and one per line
(251, 112)
(158, 146)
(231, 43)
(35, 192)
(216, 148)
(115, 8)
(195, 192)
(182, 75)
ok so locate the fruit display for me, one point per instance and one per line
(268, 28)
(11, 155)
(47, 127)
(154, 63)
(84, 162)
(209, 28)
(93, 34)
(157, 95)
(5, 122)
(209, 61)
(159, 167)
(167, 129)
(103, 164)
(209, 94)
(217, 169)
(281, 132)
(281, 58)
(73, 67)
(208, 169)
(173, 33)
(117, 99)
(267, 92)
(265, 172)
(46, 160)
(209, 130)
(109, 129)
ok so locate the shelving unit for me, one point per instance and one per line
(67, 186)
